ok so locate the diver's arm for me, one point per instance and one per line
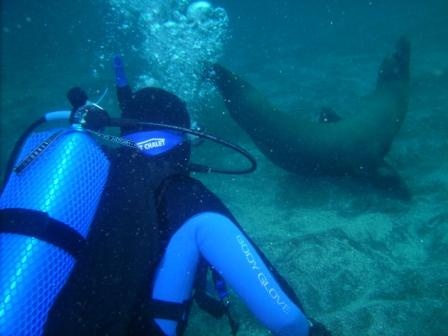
(216, 238)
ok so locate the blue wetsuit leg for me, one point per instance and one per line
(224, 246)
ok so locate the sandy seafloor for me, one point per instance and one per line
(362, 261)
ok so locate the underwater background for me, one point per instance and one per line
(362, 260)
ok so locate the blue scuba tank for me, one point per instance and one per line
(46, 211)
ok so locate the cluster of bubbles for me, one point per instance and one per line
(179, 38)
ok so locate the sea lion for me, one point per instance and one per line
(354, 146)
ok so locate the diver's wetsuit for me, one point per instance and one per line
(196, 224)
(118, 274)
(207, 229)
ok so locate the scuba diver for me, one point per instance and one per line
(118, 240)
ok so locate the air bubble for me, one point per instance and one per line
(179, 38)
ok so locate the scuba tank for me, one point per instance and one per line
(47, 206)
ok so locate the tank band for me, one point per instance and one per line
(167, 310)
(39, 225)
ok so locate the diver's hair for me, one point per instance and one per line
(158, 106)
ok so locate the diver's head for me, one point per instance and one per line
(157, 106)
(161, 107)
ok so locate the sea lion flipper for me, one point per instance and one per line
(243, 101)
(395, 68)
(387, 178)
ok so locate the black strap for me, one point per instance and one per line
(157, 309)
(216, 308)
(41, 226)
(206, 302)
(209, 304)
(167, 310)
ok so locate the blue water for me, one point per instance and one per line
(363, 262)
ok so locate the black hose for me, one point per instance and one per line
(194, 166)
(117, 122)
(18, 146)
